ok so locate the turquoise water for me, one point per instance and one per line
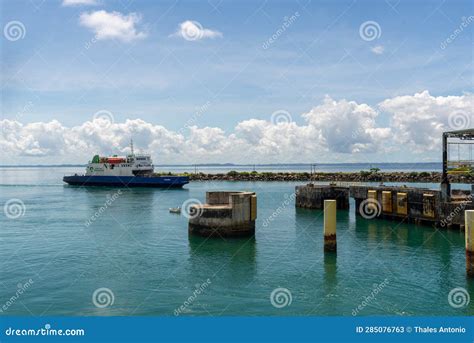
(143, 255)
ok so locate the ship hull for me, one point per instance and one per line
(127, 181)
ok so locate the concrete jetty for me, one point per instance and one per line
(225, 214)
(410, 204)
(417, 205)
(313, 196)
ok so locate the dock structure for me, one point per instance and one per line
(401, 203)
(313, 196)
(225, 214)
(469, 230)
(410, 204)
(450, 140)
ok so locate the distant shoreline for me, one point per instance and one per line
(362, 176)
(251, 165)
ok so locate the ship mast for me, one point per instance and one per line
(131, 146)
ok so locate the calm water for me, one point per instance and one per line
(143, 254)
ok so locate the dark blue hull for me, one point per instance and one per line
(127, 181)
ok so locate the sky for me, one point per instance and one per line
(241, 82)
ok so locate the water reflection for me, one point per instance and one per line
(228, 258)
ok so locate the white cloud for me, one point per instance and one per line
(346, 126)
(112, 25)
(193, 30)
(334, 130)
(418, 120)
(378, 50)
(80, 2)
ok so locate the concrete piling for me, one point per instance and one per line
(330, 242)
(225, 214)
(469, 233)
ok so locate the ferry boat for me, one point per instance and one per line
(134, 170)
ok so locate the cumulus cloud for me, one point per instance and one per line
(192, 30)
(112, 25)
(334, 130)
(346, 126)
(418, 120)
(79, 2)
(378, 50)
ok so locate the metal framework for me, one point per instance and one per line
(461, 137)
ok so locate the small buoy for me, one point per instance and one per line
(175, 210)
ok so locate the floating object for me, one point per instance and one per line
(225, 214)
(134, 170)
(175, 210)
(330, 242)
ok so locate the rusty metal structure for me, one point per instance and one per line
(457, 139)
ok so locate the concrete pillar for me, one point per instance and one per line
(469, 230)
(330, 208)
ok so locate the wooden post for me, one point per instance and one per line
(330, 242)
(469, 233)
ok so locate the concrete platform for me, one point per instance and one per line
(225, 214)
(410, 204)
(313, 196)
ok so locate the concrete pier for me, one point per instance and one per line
(410, 204)
(225, 214)
(313, 196)
(330, 241)
(469, 233)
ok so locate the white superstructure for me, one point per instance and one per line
(130, 165)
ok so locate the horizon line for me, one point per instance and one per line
(228, 164)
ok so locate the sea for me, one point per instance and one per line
(97, 251)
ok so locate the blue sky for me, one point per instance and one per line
(58, 71)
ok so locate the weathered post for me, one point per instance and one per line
(469, 230)
(330, 243)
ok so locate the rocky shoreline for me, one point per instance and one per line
(363, 176)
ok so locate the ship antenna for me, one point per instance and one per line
(131, 145)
